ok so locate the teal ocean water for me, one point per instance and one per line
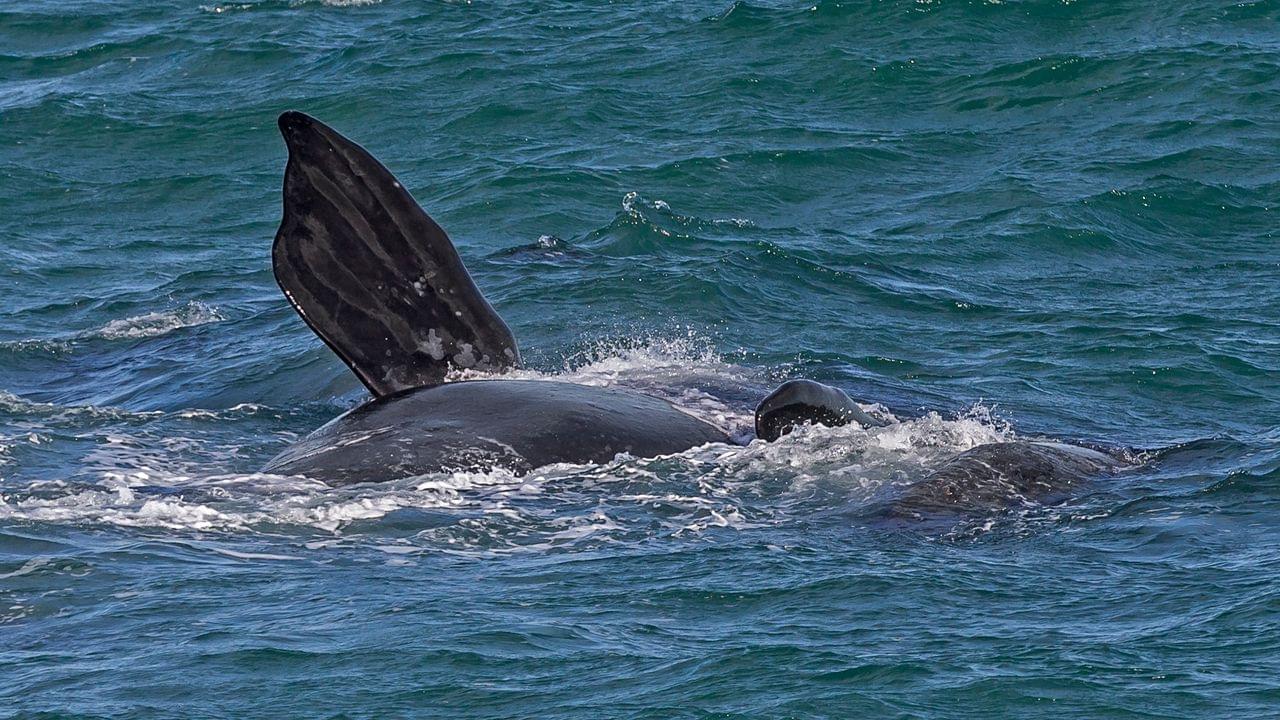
(993, 219)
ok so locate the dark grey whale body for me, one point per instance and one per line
(382, 285)
(514, 424)
(997, 476)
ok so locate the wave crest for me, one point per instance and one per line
(154, 324)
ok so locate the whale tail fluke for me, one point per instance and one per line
(372, 274)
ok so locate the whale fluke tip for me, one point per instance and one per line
(290, 119)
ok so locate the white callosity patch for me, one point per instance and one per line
(433, 345)
(465, 358)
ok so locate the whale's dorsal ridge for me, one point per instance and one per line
(372, 274)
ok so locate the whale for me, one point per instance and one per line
(999, 476)
(382, 285)
(517, 425)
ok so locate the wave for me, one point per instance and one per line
(14, 406)
(53, 415)
(154, 324)
(135, 327)
(283, 4)
(546, 247)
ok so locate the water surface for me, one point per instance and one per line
(995, 220)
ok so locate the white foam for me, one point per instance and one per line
(636, 206)
(234, 7)
(154, 324)
(11, 404)
(141, 482)
(714, 487)
(17, 406)
(219, 9)
(241, 555)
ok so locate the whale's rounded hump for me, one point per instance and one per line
(796, 402)
(484, 424)
(371, 273)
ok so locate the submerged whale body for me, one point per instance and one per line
(382, 285)
(997, 476)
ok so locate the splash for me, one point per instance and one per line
(683, 369)
(639, 208)
(690, 495)
(133, 479)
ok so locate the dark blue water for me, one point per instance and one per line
(994, 220)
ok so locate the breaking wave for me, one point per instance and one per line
(154, 324)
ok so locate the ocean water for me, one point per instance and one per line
(990, 219)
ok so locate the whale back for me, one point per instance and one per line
(484, 424)
(372, 274)
(1002, 475)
